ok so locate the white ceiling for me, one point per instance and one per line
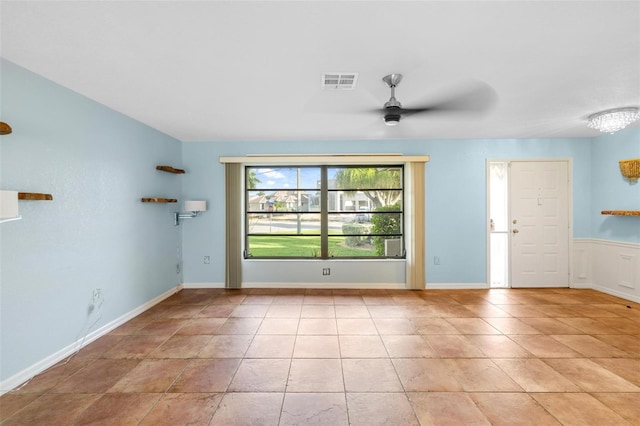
(251, 70)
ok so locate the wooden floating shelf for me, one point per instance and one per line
(159, 200)
(170, 169)
(621, 212)
(34, 196)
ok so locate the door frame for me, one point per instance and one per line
(569, 162)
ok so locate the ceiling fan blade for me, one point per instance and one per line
(471, 98)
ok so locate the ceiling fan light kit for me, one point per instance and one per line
(612, 120)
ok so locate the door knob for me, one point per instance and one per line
(515, 231)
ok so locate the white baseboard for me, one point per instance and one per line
(619, 294)
(51, 360)
(324, 285)
(457, 286)
(202, 285)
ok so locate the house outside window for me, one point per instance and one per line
(324, 211)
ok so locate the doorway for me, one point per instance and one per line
(529, 223)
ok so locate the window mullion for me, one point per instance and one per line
(324, 213)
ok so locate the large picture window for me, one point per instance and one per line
(324, 211)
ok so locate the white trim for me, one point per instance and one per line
(325, 159)
(51, 360)
(457, 286)
(202, 285)
(400, 286)
(597, 266)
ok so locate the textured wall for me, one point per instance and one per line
(95, 233)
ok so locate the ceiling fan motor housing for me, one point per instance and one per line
(392, 117)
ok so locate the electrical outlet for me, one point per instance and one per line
(207, 260)
(326, 271)
(97, 295)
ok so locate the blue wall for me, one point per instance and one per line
(95, 233)
(610, 190)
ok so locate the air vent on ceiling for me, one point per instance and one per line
(339, 81)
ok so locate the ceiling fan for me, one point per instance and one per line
(474, 97)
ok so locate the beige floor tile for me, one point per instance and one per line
(627, 343)
(534, 375)
(271, 346)
(119, 409)
(427, 375)
(318, 311)
(551, 326)
(380, 409)
(317, 326)
(589, 325)
(239, 326)
(180, 346)
(226, 346)
(446, 409)
(248, 409)
(394, 326)
(483, 375)
(279, 326)
(362, 347)
(201, 326)
(578, 409)
(98, 377)
(314, 409)
(316, 347)
(183, 408)
(407, 346)
(472, 326)
(370, 375)
(315, 375)
(150, 376)
(284, 310)
(498, 346)
(626, 405)
(511, 326)
(206, 376)
(590, 376)
(261, 375)
(628, 368)
(453, 346)
(433, 326)
(352, 311)
(53, 409)
(512, 409)
(589, 346)
(356, 326)
(543, 346)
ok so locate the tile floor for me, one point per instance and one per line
(359, 357)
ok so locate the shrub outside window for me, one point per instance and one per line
(324, 212)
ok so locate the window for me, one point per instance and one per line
(324, 211)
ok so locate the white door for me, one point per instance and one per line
(539, 216)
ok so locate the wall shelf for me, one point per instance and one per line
(34, 196)
(159, 200)
(170, 169)
(621, 212)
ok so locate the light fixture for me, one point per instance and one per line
(192, 207)
(9, 206)
(612, 120)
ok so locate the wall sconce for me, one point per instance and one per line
(192, 207)
(9, 206)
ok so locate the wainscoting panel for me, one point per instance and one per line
(608, 266)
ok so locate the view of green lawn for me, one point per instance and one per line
(303, 246)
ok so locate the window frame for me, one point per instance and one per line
(325, 212)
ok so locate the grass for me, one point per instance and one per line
(303, 246)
